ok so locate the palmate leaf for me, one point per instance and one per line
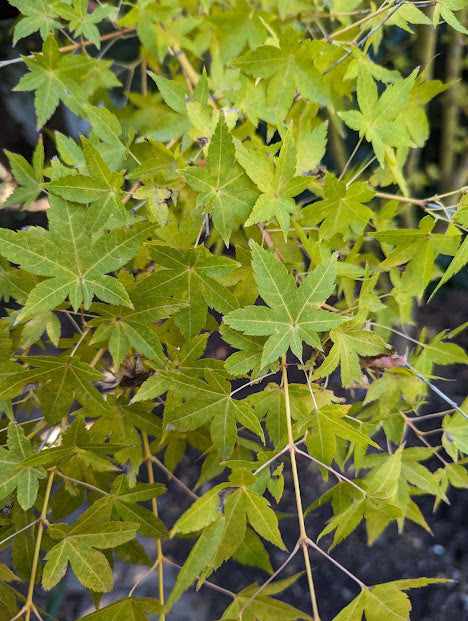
(61, 379)
(275, 178)
(384, 601)
(54, 77)
(75, 266)
(39, 15)
(83, 22)
(193, 276)
(205, 401)
(289, 66)
(376, 120)
(80, 544)
(101, 188)
(225, 190)
(264, 607)
(29, 177)
(348, 344)
(342, 209)
(130, 609)
(24, 480)
(122, 327)
(294, 315)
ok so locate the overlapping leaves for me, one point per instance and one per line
(293, 315)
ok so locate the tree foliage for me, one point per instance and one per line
(210, 232)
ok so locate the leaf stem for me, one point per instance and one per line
(297, 490)
(154, 505)
(28, 606)
(335, 472)
(271, 578)
(18, 532)
(335, 562)
(170, 476)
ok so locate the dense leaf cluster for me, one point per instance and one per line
(201, 239)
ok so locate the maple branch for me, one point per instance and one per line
(28, 606)
(358, 23)
(255, 381)
(18, 532)
(441, 394)
(272, 459)
(209, 584)
(335, 562)
(75, 46)
(148, 459)
(297, 490)
(419, 435)
(170, 476)
(335, 472)
(397, 4)
(83, 483)
(271, 578)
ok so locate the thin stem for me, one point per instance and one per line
(297, 491)
(144, 576)
(358, 23)
(75, 46)
(83, 483)
(368, 35)
(418, 433)
(437, 390)
(339, 565)
(98, 356)
(350, 158)
(18, 532)
(272, 459)
(255, 381)
(271, 578)
(149, 467)
(434, 415)
(170, 476)
(207, 583)
(41, 521)
(337, 474)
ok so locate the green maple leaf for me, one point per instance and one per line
(349, 342)
(75, 266)
(54, 77)
(124, 501)
(289, 66)
(122, 327)
(29, 177)
(384, 601)
(206, 401)
(129, 608)
(294, 315)
(237, 28)
(223, 534)
(24, 480)
(80, 545)
(275, 178)
(225, 190)
(193, 276)
(264, 607)
(342, 209)
(38, 15)
(61, 379)
(185, 108)
(82, 22)
(101, 188)
(377, 119)
(445, 9)
(419, 248)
